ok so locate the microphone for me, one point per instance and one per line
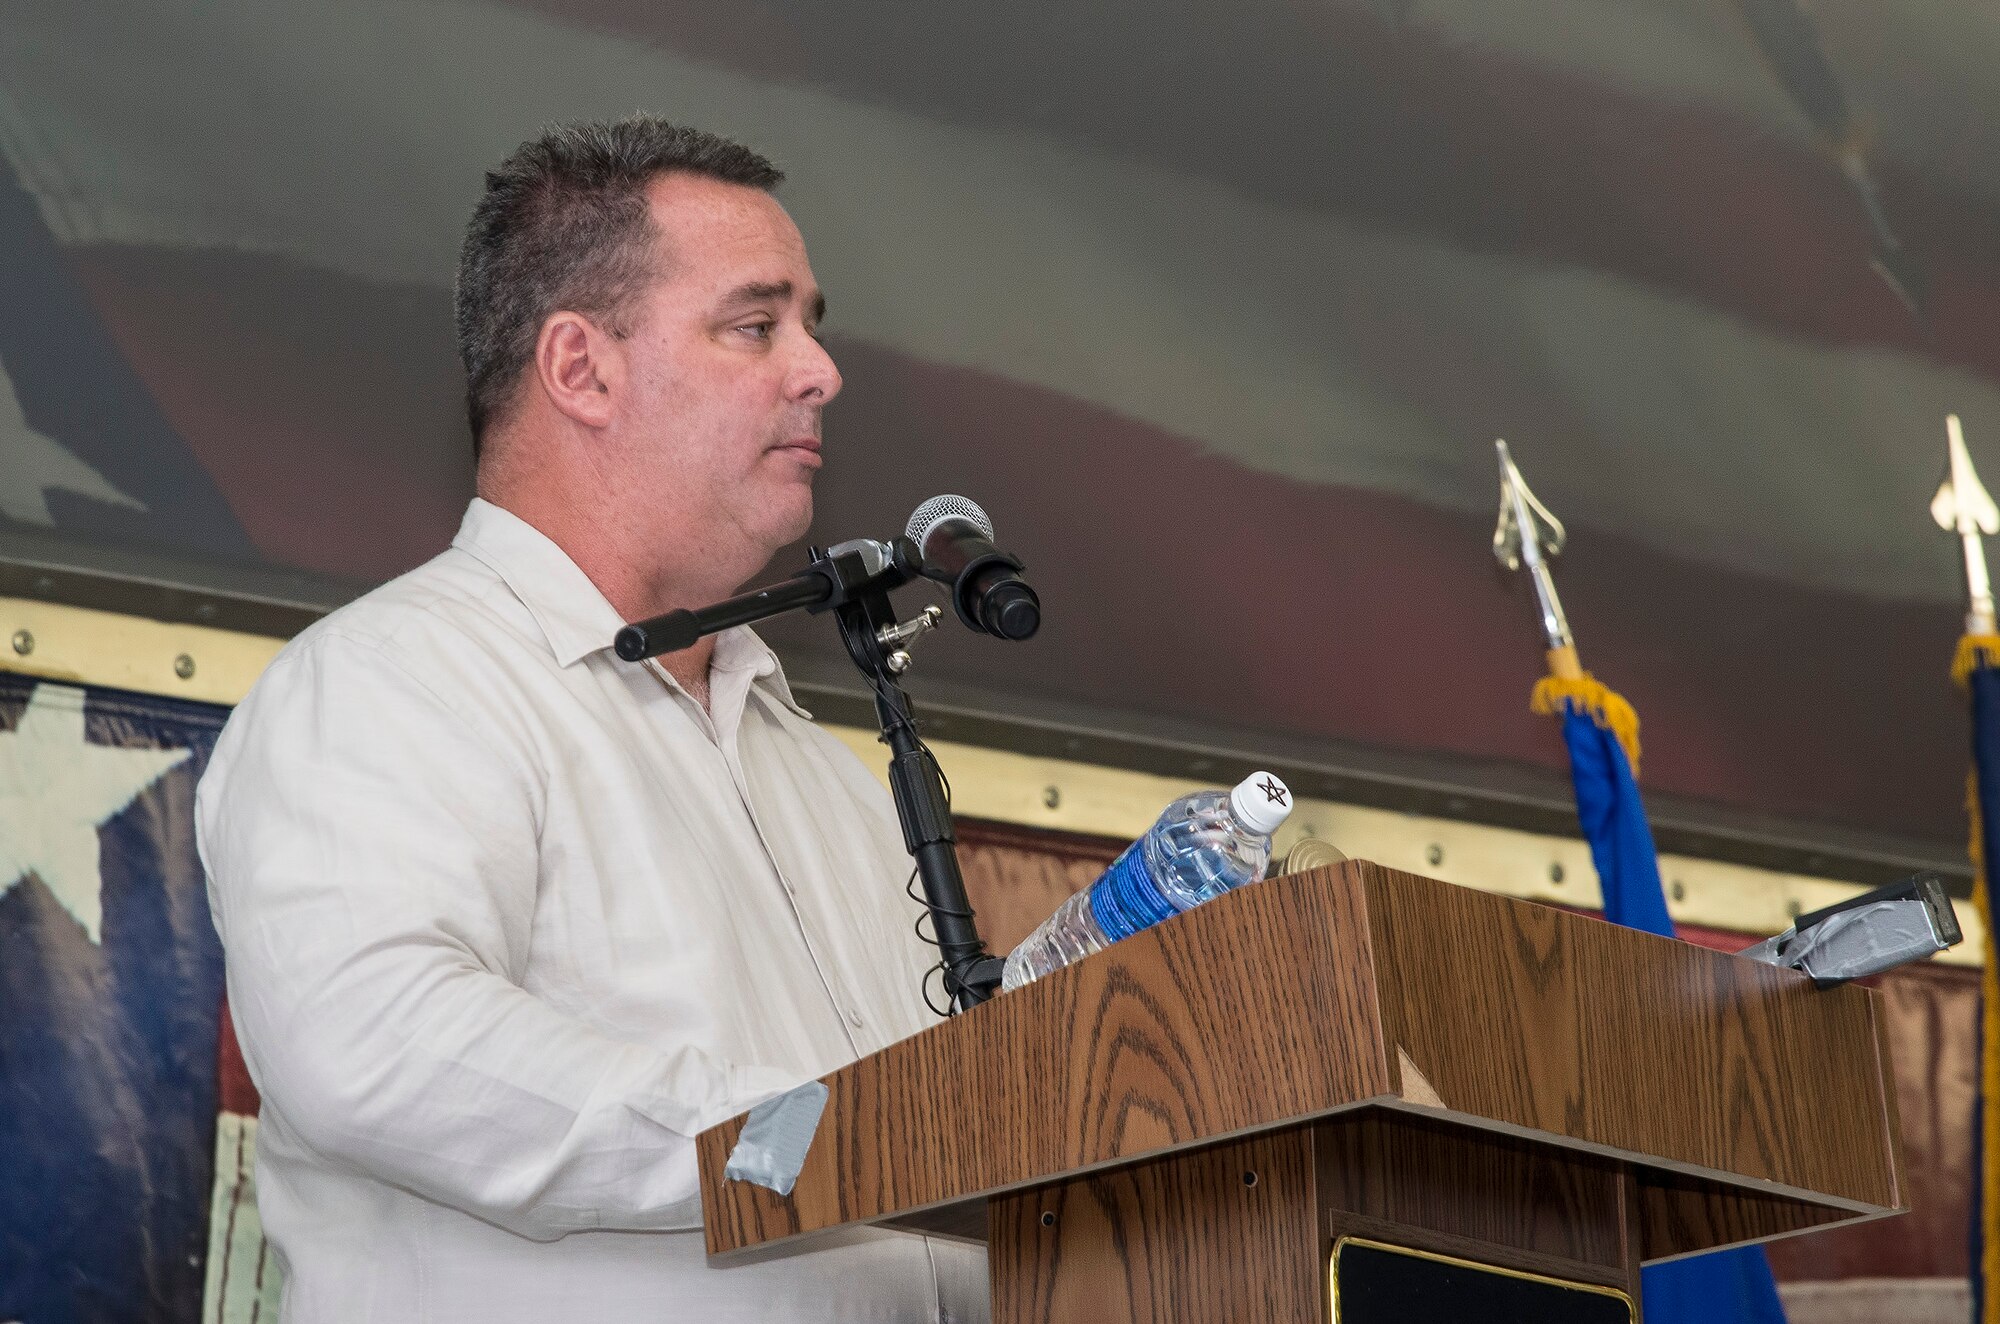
(843, 569)
(956, 540)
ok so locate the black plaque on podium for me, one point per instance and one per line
(1376, 1283)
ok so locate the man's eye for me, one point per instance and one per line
(759, 330)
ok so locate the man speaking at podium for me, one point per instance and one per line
(508, 921)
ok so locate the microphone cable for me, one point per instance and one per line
(926, 936)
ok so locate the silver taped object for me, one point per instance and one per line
(772, 1148)
(1863, 941)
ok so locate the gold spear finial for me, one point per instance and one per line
(1529, 535)
(1962, 506)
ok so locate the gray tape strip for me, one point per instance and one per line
(1865, 940)
(775, 1139)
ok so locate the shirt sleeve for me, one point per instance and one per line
(372, 864)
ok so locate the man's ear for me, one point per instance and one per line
(579, 366)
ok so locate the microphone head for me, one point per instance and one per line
(938, 509)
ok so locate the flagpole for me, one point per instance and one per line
(1963, 508)
(1528, 536)
(1601, 732)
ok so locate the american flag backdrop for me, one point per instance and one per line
(1216, 307)
(1207, 303)
(110, 985)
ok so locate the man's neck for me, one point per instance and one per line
(690, 666)
(635, 585)
(625, 553)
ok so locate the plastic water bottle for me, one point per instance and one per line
(1202, 846)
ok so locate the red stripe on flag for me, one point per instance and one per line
(238, 1094)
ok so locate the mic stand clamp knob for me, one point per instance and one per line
(899, 637)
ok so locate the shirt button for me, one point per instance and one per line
(854, 1018)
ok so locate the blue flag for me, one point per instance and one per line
(1978, 669)
(1725, 1287)
(110, 992)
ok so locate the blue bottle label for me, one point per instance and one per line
(1126, 899)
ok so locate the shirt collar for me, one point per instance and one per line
(739, 649)
(574, 616)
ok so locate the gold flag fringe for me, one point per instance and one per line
(1974, 651)
(1585, 693)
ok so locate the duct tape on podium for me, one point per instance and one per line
(772, 1148)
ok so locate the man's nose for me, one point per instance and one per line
(815, 379)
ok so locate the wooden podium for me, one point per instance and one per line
(1187, 1126)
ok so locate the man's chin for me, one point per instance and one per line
(795, 522)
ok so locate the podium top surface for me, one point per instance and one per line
(1355, 987)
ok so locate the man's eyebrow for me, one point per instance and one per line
(772, 291)
(758, 291)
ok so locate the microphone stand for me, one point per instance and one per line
(853, 581)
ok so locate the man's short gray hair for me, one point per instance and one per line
(563, 225)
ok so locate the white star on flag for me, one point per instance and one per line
(56, 790)
(36, 465)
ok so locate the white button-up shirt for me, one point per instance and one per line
(509, 921)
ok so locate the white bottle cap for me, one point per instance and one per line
(1261, 802)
